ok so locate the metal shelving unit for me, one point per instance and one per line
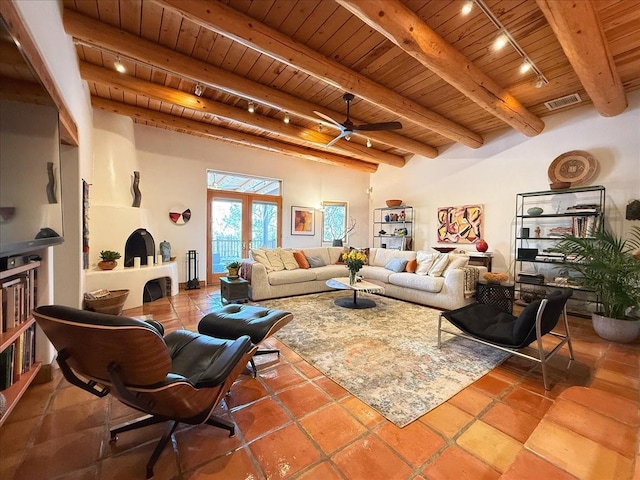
(397, 225)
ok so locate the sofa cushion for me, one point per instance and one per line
(456, 261)
(411, 266)
(417, 282)
(379, 257)
(286, 277)
(439, 264)
(315, 261)
(396, 265)
(274, 259)
(425, 261)
(330, 271)
(335, 254)
(260, 256)
(322, 252)
(376, 273)
(288, 259)
(301, 260)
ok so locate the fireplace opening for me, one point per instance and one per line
(139, 244)
(153, 290)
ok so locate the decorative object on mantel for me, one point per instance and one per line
(108, 261)
(137, 196)
(633, 210)
(576, 167)
(165, 250)
(393, 203)
(495, 277)
(481, 245)
(51, 186)
(180, 215)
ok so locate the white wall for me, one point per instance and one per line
(173, 172)
(510, 163)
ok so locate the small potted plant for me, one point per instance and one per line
(607, 265)
(232, 269)
(108, 261)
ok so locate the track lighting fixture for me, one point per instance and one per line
(369, 144)
(119, 66)
(504, 38)
(320, 126)
(348, 138)
(252, 107)
(287, 119)
(501, 41)
(199, 90)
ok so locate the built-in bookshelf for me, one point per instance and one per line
(18, 367)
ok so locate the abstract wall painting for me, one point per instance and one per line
(303, 221)
(460, 224)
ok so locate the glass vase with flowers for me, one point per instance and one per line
(354, 260)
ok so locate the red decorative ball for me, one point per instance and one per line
(482, 246)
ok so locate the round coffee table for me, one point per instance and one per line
(342, 283)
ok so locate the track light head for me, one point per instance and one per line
(199, 90)
(525, 67)
(119, 66)
(369, 144)
(466, 8)
(287, 119)
(252, 107)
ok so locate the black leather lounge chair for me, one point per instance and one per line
(179, 378)
(490, 326)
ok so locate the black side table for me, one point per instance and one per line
(234, 290)
(499, 295)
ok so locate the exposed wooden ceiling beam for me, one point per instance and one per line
(247, 31)
(182, 125)
(101, 36)
(19, 30)
(404, 28)
(21, 91)
(113, 79)
(580, 34)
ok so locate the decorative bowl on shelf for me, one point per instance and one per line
(444, 249)
(394, 203)
(494, 277)
(535, 211)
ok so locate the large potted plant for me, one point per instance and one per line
(607, 264)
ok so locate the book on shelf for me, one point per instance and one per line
(6, 367)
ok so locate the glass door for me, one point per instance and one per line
(237, 223)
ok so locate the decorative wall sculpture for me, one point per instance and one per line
(460, 224)
(137, 196)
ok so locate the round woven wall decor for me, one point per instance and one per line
(576, 167)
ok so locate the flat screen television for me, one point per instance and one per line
(30, 201)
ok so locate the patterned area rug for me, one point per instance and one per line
(387, 356)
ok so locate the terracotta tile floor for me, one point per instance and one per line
(293, 422)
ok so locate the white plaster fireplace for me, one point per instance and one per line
(112, 219)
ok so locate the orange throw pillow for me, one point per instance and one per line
(301, 259)
(411, 266)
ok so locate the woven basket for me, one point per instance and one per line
(112, 304)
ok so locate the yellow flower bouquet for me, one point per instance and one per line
(354, 260)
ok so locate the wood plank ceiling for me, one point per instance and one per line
(420, 62)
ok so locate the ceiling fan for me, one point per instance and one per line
(347, 127)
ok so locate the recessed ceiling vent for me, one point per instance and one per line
(563, 101)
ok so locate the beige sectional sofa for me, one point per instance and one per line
(442, 280)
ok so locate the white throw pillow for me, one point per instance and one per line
(260, 256)
(439, 264)
(275, 260)
(425, 260)
(456, 261)
(288, 259)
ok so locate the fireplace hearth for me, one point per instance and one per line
(139, 244)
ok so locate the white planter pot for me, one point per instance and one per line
(621, 331)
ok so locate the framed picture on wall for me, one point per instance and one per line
(303, 221)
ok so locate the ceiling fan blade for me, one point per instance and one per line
(328, 119)
(343, 134)
(374, 127)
